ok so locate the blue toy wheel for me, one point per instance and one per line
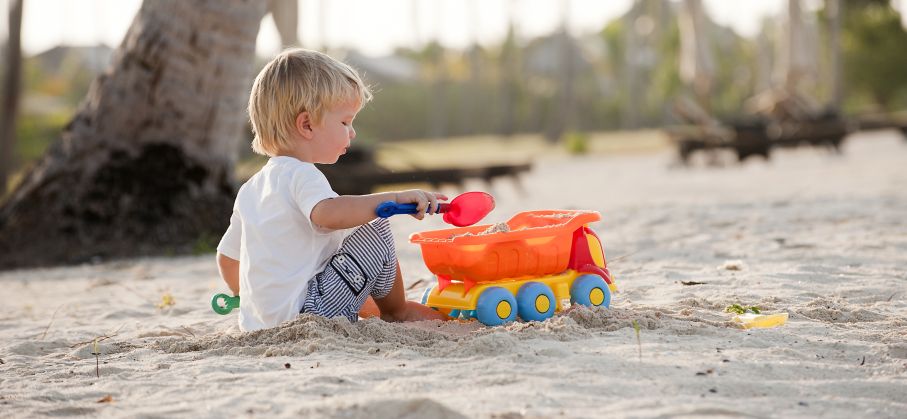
(496, 306)
(535, 301)
(591, 291)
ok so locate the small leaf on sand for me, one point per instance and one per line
(740, 309)
(166, 301)
(106, 399)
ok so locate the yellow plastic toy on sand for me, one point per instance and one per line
(760, 321)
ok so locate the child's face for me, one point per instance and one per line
(333, 135)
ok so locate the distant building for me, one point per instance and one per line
(545, 55)
(61, 58)
(388, 69)
(64, 74)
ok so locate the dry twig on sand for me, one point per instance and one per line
(52, 317)
(99, 338)
(95, 341)
(97, 359)
(624, 256)
(415, 284)
(188, 330)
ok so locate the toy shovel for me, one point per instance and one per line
(465, 210)
(223, 304)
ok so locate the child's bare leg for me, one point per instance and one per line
(395, 308)
(369, 309)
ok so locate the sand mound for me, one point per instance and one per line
(837, 310)
(401, 409)
(308, 334)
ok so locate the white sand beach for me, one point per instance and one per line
(820, 236)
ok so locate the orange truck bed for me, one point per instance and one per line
(538, 243)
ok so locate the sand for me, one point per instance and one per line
(820, 236)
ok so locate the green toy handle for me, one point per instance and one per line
(225, 307)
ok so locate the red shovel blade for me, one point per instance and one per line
(468, 208)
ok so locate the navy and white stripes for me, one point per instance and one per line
(366, 264)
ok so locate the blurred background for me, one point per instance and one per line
(513, 67)
(469, 88)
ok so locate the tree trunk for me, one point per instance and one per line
(11, 88)
(697, 66)
(145, 165)
(631, 89)
(509, 81)
(834, 8)
(286, 18)
(561, 118)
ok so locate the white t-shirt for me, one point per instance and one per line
(278, 247)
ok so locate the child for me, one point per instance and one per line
(293, 245)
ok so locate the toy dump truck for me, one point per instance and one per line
(531, 266)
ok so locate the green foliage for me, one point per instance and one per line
(53, 99)
(666, 76)
(735, 67)
(204, 245)
(34, 133)
(496, 90)
(613, 36)
(740, 309)
(576, 142)
(875, 61)
(66, 86)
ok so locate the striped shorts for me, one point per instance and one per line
(365, 264)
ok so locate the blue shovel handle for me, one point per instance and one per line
(389, 208)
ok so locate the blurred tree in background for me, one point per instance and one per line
(512, 87)
(624, 76)
(11, 91)
(875, 55)
(146, 164)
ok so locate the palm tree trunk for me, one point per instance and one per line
(145, 165)
(286, 18)
(509, 81)
(631, 90)
(837, 81)
(11, 88)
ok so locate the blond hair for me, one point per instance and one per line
(297, 81)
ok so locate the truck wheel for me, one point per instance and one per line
(496, 306)
(591, 291)
(535, 301)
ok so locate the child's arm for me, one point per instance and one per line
(229, 271)
(355, 210)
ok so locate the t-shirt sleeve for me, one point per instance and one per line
(229, 244)
(311, 187)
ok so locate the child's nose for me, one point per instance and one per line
(352, 133)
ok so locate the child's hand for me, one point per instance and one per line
(423, 200)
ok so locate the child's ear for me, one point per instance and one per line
(304, 125)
